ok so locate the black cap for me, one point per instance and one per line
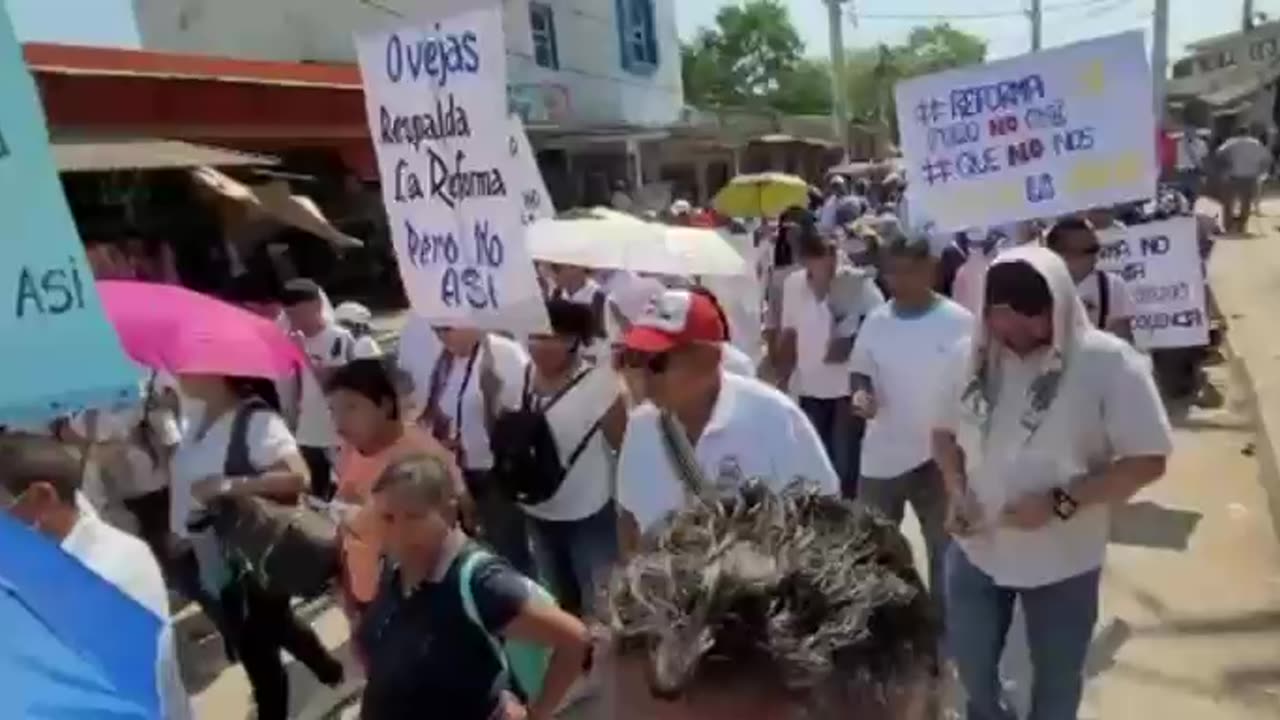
(571, 319)
(1020, 286)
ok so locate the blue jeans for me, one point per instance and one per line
(1060, 619)
(574, 556)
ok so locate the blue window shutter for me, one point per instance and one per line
(637, 36)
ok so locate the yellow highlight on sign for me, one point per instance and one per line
(1095, 175)
(1093, 80)
(962, 201)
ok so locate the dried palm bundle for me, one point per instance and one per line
(817, 594)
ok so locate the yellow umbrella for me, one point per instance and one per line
(763, 195)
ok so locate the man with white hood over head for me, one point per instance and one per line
(1043, 423)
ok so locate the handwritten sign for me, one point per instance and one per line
(60, 352)
(1034, 136)
(437, 105)
(1160, 264)
(535, 201)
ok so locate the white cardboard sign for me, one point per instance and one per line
(1160, 264)
(1034, 136)
(535, 201)
(437, 104)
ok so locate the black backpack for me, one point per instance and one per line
(526, 461)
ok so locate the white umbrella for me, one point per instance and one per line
(609, 239)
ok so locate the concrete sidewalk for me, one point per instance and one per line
(1245, 275)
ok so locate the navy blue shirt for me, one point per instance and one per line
(427, 659)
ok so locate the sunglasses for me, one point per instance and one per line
(1088, 250)
(655, 364)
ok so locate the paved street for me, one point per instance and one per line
(1191, 608)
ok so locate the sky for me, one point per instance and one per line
(1007, 31)
(1005, 28)
(78, 22)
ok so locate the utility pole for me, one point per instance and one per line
(839, 93)
(1160, 56)
(1246, 18)
(1036, 13)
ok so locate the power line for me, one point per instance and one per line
(992, 15)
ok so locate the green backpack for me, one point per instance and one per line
(524, 664)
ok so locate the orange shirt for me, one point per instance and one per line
(362, 537)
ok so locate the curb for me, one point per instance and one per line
(1264, 444)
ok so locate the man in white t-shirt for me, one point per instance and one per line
(357, 320)
(328, 346)
(1042, 425)
(1105, 296)
(1243, 160)
(38, 483)
(734, 429)
(901, 350)
(823, 305)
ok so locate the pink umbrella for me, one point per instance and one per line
(171, 328)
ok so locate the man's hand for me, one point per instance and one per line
(864, 404)
(964, 514)
(1029, 512)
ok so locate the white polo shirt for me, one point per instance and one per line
(811, 319)
(1107, 408)
(755, 433)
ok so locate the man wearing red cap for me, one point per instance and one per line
(703, 431)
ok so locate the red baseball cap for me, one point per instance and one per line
(673, 319)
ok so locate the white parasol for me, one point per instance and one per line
(607, 239)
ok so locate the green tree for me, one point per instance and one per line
(754, 57)
(872, 73)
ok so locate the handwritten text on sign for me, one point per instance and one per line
(436, 100)
(1160, 264)
(1039, 135)
(535, 201)
(50, 305)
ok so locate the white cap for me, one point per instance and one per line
(352, 312)
(681, 207)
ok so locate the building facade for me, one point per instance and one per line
(1230, 80)
(572, 64)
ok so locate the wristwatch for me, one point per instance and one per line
(1064, 506)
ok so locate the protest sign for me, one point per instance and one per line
(437, 103)
(535, 201)
(1034, 136)
(60, 352)
(1160, 264)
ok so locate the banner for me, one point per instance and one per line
(1034, 136)
(1160, 264)
(535, 201)
(436, 96)
(60, 352)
